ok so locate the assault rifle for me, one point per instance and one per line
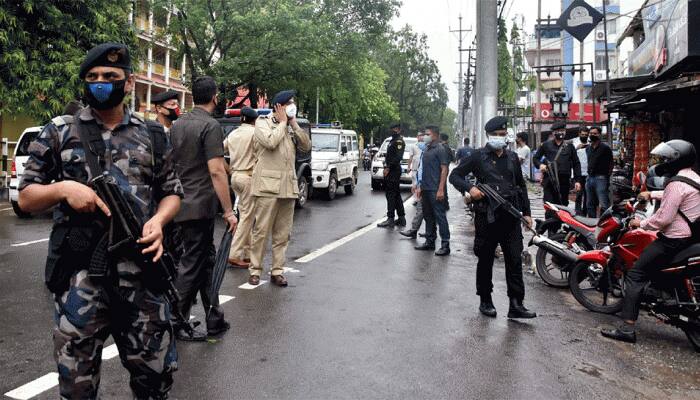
(125, 229)
(553, 172)
(497, 201)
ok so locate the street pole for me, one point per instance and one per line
(318, 95)
(538, 97)
(460, 87)
(487, 47)
(607, 72)
(580, 84)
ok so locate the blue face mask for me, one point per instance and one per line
(105, 95)
(421, 146)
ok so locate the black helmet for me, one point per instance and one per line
(675, 155)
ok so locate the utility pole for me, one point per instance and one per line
(460, 94)
(487, 58)
(318, 95)
(581, 114)
(607, 71)
(538, 97)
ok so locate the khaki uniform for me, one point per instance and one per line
(240, 148)
(275, 189)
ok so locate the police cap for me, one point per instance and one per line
(498, 123)
(106, 55)
(249, 112)
(395, 125)
(164, 96)
(283, 97)
(558, 125)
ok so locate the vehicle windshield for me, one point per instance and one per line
(23, 145)
(325, 142)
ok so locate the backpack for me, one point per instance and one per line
(694, 225)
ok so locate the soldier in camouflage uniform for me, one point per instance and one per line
(88, 311)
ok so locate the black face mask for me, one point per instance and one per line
(104, 95)
(559, 136)
(172, 113)
(584, 139)
(594, 138)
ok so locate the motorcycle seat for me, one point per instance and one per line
(692, 251)
(590, 222)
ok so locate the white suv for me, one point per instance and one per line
(20, 158)
(335, 157)
(378, 163)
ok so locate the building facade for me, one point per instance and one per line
(160, 68)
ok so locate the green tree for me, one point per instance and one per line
(42, 44)
(506, 84)
(518, 60)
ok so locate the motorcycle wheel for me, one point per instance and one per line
(693, 335)
(590, 285)
(549, 267)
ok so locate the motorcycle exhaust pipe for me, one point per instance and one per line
(554, 248)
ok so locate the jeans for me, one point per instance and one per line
(597, 194)
(434, 212)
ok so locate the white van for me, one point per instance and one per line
(19, 160)
(335, 158)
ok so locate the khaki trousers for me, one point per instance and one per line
(240, 246)
(272, 215)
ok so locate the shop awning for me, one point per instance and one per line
(660, 96)
(619, 87)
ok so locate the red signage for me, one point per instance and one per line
(546, 112)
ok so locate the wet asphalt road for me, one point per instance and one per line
(371, 319)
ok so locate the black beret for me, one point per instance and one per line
(498, 123)
(395, 125)
(164, 96)
(106, 55)
(283, 97)
(558, 125)
(249, 112)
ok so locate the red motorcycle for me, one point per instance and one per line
(597, 279)
(574, 232)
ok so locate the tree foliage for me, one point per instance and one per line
(366, 74)
(506, 84)
(42, 44)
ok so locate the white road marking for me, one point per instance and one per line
(50, 380)
(34, 387)
(248, 286)
(334, 245)
(288, 269)
(28, 243)
(5, 209)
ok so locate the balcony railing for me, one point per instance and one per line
(158, 69)
(175, 73)
(142, 24)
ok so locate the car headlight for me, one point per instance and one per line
(322, 166)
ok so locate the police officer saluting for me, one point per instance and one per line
(87, 309)
(167, 108)
(496, 166)
(392, 179)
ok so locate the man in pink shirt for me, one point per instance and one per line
(678, 199)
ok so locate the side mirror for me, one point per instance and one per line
(344, 149)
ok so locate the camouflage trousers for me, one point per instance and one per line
(139, 322)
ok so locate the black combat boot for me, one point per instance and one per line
(486, 307)
(444, 250)
(427, 245)
(625, 333)
(518, 310)
(387, 223)
(410, 233)
(401, 221)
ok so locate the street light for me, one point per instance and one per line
(560, 106)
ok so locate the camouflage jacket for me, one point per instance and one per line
(57, 154)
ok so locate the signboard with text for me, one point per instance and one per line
(546, 112)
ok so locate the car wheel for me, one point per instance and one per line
(18, 211)
(376, 185)
(332, 186)
(350, 188)
(303, 192)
